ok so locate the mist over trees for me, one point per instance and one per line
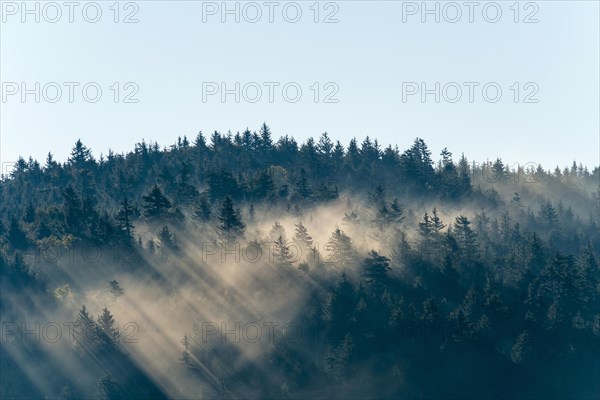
(241, 266)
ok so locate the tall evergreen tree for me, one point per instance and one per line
(230, 227)
(376, 267)
(186, 193)
(166, 238)
(377, 197)
(80, 155)
(301, 235)
(108, 330)
(202, 210)
(466, 237)
(339, 248)
(123, 218)
(282, 251)
(73, 211)
(156, 205)
(302, 185)
(85, 330)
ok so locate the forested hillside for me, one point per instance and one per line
(241, 266)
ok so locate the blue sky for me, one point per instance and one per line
(370, 57)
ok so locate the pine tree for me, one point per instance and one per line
(276, 231)
(339, 247)
(266, 141)
(548, 215)
(282, 250)
(505, 228)
(466, 238)
(73, 211)
(108, 329)
(123, 219)
(186, 193)
(396, 212)
(430, 317)
(50, 164)
(377, 197)
(586, 273)
(381, 219)
(80, 155)
(325, 145)
(425, 226)
(375, 270)
(497, 171)
(448, 176)
(537, 256)
(200, 141)
(156, 204)
(437, 224)
(85, 329)
(264, 187)
(464, 174)
(352, 158)
(202, 210)
(301, 235)
(230, 227)
(302, 185)
(166, 238)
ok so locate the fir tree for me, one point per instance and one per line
(166, 238)
(202, 210)
(375, 270)
(85, 329)
(80, 155)
(108, 330)
(230, 227)
(123, 219)
(466, 238)
(156, 205)
(339, 247)
(301, 235)
(282, 250)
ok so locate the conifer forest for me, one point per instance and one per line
(246, 266)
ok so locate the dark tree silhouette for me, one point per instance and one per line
(156, 204)
(230, 227)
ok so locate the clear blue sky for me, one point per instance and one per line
(367, 54)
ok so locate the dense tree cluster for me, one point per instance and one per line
(436, 272)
